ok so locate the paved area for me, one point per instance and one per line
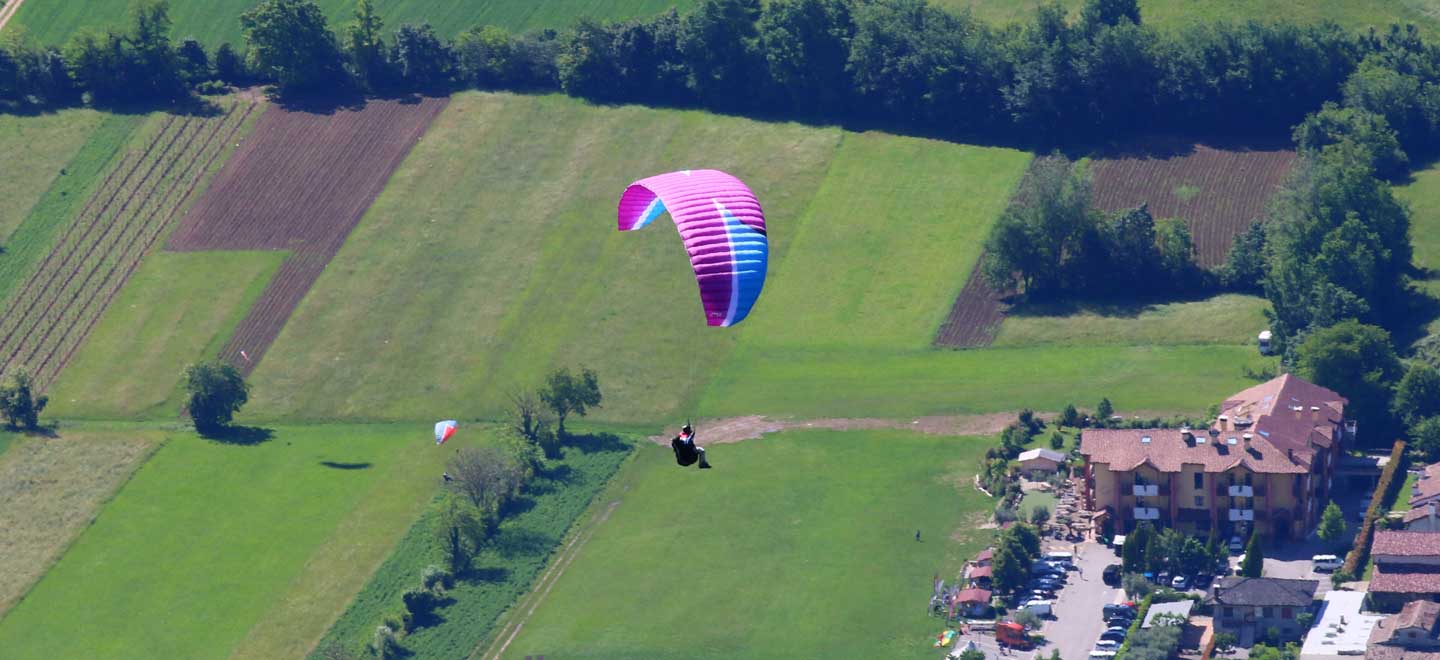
(1078, 622)
(1292, 559)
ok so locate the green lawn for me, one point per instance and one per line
(492, 256)
(217, 21)
(1423, 194)
(36, 148)
(898, 384)
(30, 240)
(1224, 319)
(1034, 499)
(1402, 500)
(1354, 14)
(207, 538)
(178, 308)
(798, 546)
(503, 572)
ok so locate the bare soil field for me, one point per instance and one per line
(975, 317)
(1217, 191)
(138, 200)
(52, 489)
(300, 183)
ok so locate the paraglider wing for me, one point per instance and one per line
(443, 431)
(723, 228)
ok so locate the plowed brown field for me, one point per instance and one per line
(975, 317)
(300, 183)
(1217, 192)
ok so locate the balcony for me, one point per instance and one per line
(1241, 491)
(1147, 513)
(1146, 490)
(1242, 515)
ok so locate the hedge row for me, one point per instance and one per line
(1134, 626)
(1385, 492)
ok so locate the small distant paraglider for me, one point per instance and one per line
(723, 228)
(443, 431)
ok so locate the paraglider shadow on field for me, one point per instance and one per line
(346, 466)
(238, 435)
(591, 443)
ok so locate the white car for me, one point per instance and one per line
(1327, 562)
(1180, 582)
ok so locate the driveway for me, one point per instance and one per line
(1292, 559)
(1078, 621)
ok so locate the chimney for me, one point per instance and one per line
(1314, 413)
(1186, 435)
(1299, 411)
(1223, 422)
(1432, 515)
(1247, 437)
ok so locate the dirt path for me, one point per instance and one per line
(11, 6)
(735, 429)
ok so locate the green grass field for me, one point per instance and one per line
(36, 148)
(1034, 499)
(1355, 14)
(178, 308)
(492, 256)
(207, 538)
(1224, 319)
(798, 545)
(28, 242)
(502, 573)
(218, 21)
(1422, 192)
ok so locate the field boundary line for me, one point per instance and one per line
(546, 583)
(8, 12)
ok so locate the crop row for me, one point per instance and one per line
(65, 296)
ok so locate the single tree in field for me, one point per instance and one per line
(217, 392)
(18, 403)
(1332, 524)
(1254, 564)
(568, 394)
(1105, 410)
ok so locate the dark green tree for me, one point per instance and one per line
(1244, 268)
(460, 530)
(486, 57)
(1332, 525)
(587, 63)
(566, 393)
(1039, 515)
(1098, 13)
(290, 42)
(1040, 236)
(1359, 362)
(806, 45)
(365, 47)
(1010, 570)
(719, 44)
(1105, 410)
(1418, 394)
(216, 392)
(194, 62)
(1070, 417)
(229, 65)
(19, 404)
(1425, 438)
(1334, 124)
(420, 59)
(1195, 558)
(1254, 564)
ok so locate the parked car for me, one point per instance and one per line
(1180, 583)
(1121, 621)
(1236, 545)
(1044, 583)
(1116, 633)
(1203, 580)
(1118, 609)
(1107, 645)
(1327, 562)
(1060, 557)
(1040, 594)
(1112, 574)
(1040, 608)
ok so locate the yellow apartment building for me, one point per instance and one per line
(1265, 463)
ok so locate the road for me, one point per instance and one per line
(1078, 622)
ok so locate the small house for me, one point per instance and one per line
(1039, 463)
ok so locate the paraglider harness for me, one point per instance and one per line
(686, 453)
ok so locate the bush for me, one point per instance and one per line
(1027, 618)
(1340, 577)
(420, 603)
(1039, 515)
(1070, 417)
(1004, 514)
(212, 88)
(1225, 641)
(385, 645)
(1136, 586)
(1057, 441)
(435, 579)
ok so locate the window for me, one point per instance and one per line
(1199, 500)
(1267, 612)
(1229, 612)
(1199, 479)
(1411, 634)
(1287, 613)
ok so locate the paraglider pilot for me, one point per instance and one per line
(686, 452)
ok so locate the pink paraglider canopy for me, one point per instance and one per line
(723, 228)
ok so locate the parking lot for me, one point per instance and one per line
(1077, 621)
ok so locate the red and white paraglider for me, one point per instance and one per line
(443, 431)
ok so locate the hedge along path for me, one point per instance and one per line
(1218, 191)
(99, 251)
(300, 183)
(52, 489)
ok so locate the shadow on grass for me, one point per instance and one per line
(42, 431)
(1411, 325)
(482, 575)
(332, 101)
(346, 466)
(1126, 308)
(591, 443)
(238, 435)
(514, 542)
(518, 505)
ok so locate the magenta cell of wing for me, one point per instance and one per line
(723, 229)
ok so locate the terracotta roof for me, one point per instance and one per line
(1416, 614)
(1264, 592)
(1406, 544)
(1126, 449)
(1427, 487)
(1417, 513)
(973, 596)
(985, 555)
(1397, 653)
(981, 571)
(1392, 579)
(1287, 417)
